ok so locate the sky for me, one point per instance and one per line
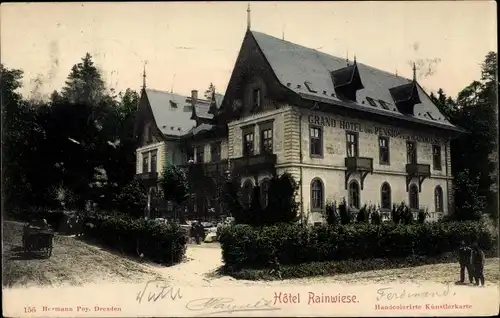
(188, 45)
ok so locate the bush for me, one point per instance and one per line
(244, 246)
(161, 243)
(329, 268)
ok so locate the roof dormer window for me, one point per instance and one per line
(347, 82)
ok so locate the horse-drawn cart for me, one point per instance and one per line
(38, 239)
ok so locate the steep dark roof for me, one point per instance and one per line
(294, 64)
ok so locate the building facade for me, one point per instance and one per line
(340, 128)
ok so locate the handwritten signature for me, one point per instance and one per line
(390, 293)
(217, 305)
(158, 289)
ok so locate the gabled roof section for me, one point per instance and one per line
(294, 64)
(406, 97)
(173, 112)
(347, 81)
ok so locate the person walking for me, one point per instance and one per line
(464, 255)
(477, 261)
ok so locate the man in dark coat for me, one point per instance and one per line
(464, 254)
(478, 259)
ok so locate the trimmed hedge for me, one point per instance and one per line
(161, 243)
(244, 246)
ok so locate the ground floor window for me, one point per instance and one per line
(264, 193)
(317, 191)
(247, 190)
(413, 197)
(438, 199)
(385, 194)
(354, 200)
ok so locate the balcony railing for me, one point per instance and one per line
(358, 164)
(254, 164)
(147, 176)
(419, 171)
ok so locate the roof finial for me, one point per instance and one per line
(347, 57)
(354, 58)
(248, 17)
(414, 72)
(283, 33)
(396, 71)
(144, 76)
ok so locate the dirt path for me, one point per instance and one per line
(74, 262)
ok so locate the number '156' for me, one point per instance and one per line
(29, 309)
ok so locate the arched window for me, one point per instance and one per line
(246, 199)
(354, 195)
(413, 197)
(385, 196)
(264, 190)
(317, 194)
(438, 199)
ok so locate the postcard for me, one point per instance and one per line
(177, 159)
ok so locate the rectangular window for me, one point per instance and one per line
(436, 157)
(256, 98)
(215, 151)
(153, 161)
(248, 144)
(383, 143)
(266, 140)
(200, 154)
(411, 150)
(352, 144)
(371, 101)
(316, 141)
(383, 104)
(145, 162)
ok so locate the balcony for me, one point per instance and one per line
(254, 164)
(362, 165)
(196, 171)
(148, 178)
(419, 171)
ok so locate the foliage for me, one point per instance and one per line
(210, 90)
(174, 184)
(244, 246)
(161, 243)
(132, 199)
(332, 217)
(84, 84)
(281, 206)
(330, 268)
(475, 109)
(345, 217)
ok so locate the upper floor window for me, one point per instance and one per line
(413, 196)
(385, 193)
(354, 200)
(200, 154)
(266, 140)
(383, 144)
(352, 144)
(316, 141)
(145, 162)
(215, 151)
(411, 151)
(256, 98)
(317, 193)
(436, 157)
(438, 199)
(248, 143)
(153, 160)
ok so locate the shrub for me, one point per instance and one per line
(332, 217)
(162, 243)
(244, 246)
(132, 199)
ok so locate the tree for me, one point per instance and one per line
(173, 182)
(210, 90)
(84, 83)
(132, 199)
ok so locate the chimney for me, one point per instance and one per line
(194, 95)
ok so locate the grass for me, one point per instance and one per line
(72, 262)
